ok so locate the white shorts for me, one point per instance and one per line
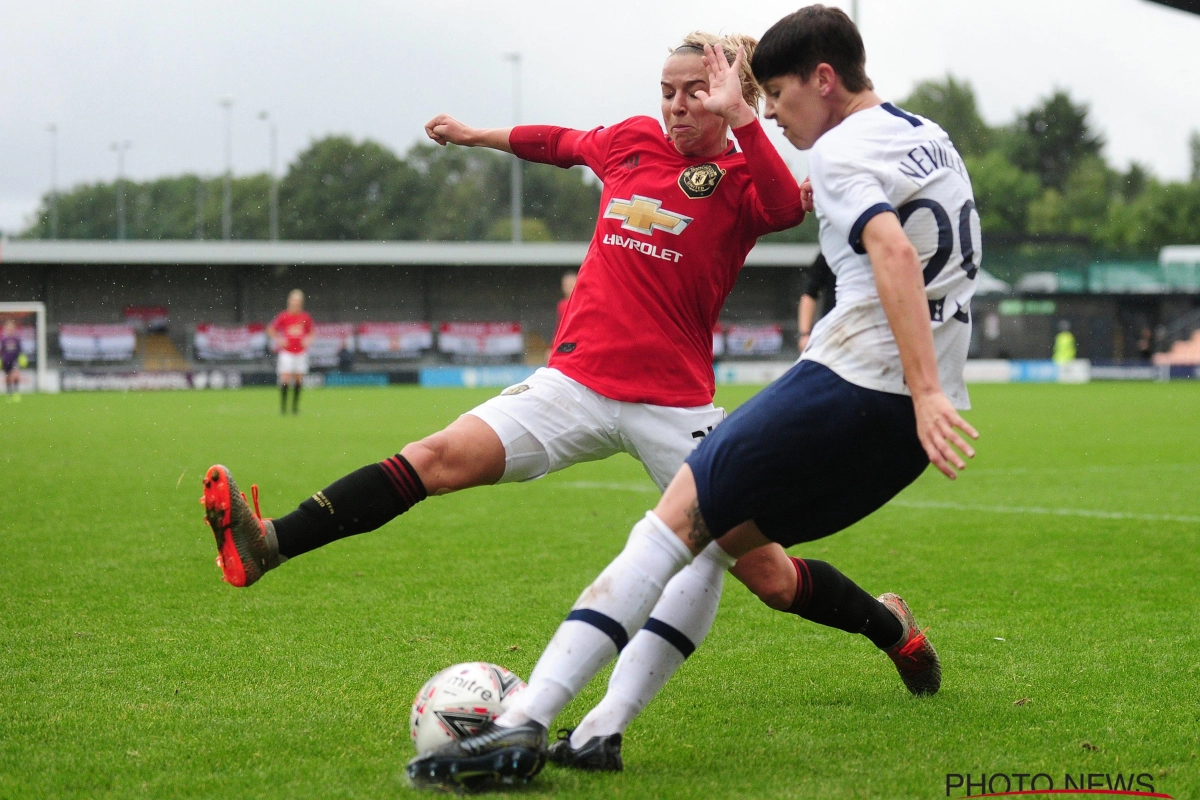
(550, 422)
(292, 363)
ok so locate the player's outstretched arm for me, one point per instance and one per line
(445, 129)
(902, 292)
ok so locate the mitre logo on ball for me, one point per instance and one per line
(459, 701)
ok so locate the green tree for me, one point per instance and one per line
(1003, 193)
(181, 207)
(339, 189)
(1050, 139)
(1194, 149)
(1081, 208)
(564, 199)
(464, 191)
(951, 104)
(1163, 214)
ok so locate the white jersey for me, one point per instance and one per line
(883, 160)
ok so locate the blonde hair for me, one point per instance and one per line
(696, 40)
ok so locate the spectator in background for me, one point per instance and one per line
(818, 280)
(292, 332)
(11, 358)
(568, 286)
(345, 359)
(1145, 345)
(1064, 344)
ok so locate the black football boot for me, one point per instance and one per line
(598, 754)
(494, 755)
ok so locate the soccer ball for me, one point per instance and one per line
(458, 701)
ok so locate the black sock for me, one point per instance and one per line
(283, 387)
(826, 596)
(364, 500)
(296, 397)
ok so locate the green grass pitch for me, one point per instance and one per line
(1058, 578)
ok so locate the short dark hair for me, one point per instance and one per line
(813, 35)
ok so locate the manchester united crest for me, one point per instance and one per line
(700, 180)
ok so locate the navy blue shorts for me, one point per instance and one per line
(806, 457)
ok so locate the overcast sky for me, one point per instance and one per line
(152, 72)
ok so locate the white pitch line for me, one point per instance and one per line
(1054, 512)
(1100, 468)
(613, 487)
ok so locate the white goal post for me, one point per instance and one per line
(39, 312)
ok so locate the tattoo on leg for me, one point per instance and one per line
(698, 534)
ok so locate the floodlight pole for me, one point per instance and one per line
(227, 200)
(120, 148)
(274, 198)
(53, 130)
(515, 58)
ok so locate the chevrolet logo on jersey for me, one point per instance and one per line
(644, 215)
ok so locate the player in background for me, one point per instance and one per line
(631, 363)
(819, 284)
(10, 359)
(292, 333)
(569, 279)
(870, 404)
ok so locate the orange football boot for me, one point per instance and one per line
(246, 543)
(914, 656)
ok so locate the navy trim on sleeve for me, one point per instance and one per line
(856, 231)
(673, 635)
(904, 115)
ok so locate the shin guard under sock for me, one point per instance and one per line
(362, 501)
(296, 397)
(826, 596)
(283, 387)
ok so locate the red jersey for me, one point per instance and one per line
(672, 236)
(293, 328)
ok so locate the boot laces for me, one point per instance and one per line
(257, 511)
(910, 648)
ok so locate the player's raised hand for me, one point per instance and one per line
(445, 129)
(806, 196)
(724, 95)
(938, 424)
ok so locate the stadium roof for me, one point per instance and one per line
(557, 254)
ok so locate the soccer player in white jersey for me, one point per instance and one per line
(873, 400)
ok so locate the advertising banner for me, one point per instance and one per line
(231, 342)
(96, 342)
(329, 338)
(481, 338)
(148, 319)
(753, 340)
(394, 339)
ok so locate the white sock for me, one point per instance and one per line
(616, 605)
(687, 608)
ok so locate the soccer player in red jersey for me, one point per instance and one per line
(631, 364)
(569, 280)
(292, 332)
